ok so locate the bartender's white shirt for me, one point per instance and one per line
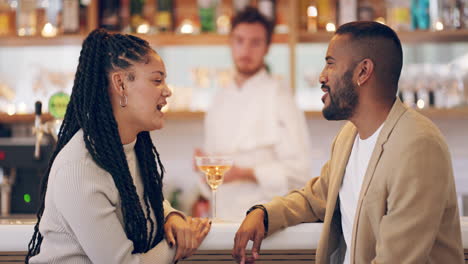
(260, 126)
(352, 183)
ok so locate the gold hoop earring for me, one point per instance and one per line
(125, 101)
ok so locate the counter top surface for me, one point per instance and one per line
(15, 235)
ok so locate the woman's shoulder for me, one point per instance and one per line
(75, 155)
(74, 166)
(74, 151)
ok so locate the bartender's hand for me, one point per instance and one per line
(252, 228)
(239, 174)
(197, 152)
(187, 234)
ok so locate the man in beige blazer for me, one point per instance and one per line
(405, 206)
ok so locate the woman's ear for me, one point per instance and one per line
(117, 83)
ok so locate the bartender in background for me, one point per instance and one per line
(256, 122)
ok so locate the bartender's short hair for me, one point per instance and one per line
(252, 15)
(379, 43)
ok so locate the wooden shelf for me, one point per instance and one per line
(168, 39)
(156, 40)
(22, 118)
(29, 118)
(406, 37)
(41, 41)
(453, 113)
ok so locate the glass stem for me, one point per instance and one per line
(213, 207)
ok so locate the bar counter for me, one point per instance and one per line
(292, 245)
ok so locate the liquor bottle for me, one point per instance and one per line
(6, 18)
(109, 15)
(125, 16)
(435, 12)
(240, 5)
(366, 11)
(399, 15)
(207, 14)
(326, 13)
(71, 16)
(137, 20)
(312, 17)
(164, 16)
(420, 14)
(347, 11)
(26, 19)
(268, 9)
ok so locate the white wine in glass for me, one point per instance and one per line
(214, 169)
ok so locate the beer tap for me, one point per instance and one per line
(38, 130)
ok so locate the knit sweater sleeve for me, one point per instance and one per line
(87, 199)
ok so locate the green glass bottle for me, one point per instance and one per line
(207, 13)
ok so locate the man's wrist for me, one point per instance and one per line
(265, 215)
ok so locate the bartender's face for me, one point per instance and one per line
(249, 47)
(340, 98)
(147, 91)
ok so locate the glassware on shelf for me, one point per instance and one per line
(451, 14)
(347, 11)
(214, 168)
(239, 5)
(366, 11)
(26, 18)
(71, 16)
(268, 9)
(453, 86)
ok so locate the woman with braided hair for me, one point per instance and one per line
(102, 199)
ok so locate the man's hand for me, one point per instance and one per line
(197, 153)
(252, 228)
(187, 235)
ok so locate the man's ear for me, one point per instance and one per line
(365, 71)
(117, 83)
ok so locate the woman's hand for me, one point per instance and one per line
(187, 234)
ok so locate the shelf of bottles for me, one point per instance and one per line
(414, 20)
(162, 22)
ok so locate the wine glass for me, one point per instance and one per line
(214, 168)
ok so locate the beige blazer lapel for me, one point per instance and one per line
(395, 113)
(344, 151)
(339, 160)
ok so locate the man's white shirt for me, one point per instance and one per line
(352, 183)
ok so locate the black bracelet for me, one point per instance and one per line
(265, 215)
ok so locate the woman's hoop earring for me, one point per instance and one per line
(125, 101)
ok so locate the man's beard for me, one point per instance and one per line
(343, 101)
(249, 71)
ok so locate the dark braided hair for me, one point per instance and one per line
(90, 110)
